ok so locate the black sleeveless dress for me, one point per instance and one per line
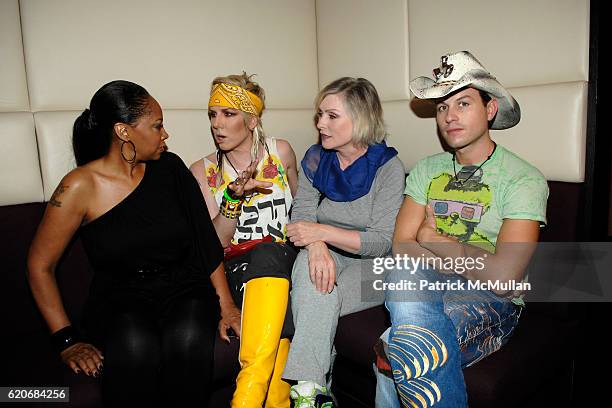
(155, 246)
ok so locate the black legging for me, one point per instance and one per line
(167, 360)
(269, 259)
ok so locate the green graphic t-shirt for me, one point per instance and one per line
(473, 206)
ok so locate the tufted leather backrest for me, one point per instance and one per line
(55, 54)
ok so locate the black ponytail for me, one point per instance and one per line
(93, 130)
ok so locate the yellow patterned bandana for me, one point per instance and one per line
(235, 97)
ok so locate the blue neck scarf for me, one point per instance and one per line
(322, 168)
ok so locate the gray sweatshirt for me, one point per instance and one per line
(373, 214)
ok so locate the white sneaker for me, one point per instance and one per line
(304, 393)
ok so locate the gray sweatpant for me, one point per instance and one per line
(316, 315)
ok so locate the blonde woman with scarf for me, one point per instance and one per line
(248, 184)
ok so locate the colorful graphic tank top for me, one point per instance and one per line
(262, 214)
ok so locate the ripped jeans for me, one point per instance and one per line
(434, 335)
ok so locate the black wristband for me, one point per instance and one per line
(64, 338)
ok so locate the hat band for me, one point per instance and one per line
(444, 83)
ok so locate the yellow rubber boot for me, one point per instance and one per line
(263, 313)
(278, 392)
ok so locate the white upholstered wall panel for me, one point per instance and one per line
(13, 87)
(189, 137)
(413, 137)
(525, 44)
(364, 38)
(551, 134)
(19, 170)
(522, 42)
(295, 126)
(172, 48)
(189, 134)
(54, 134)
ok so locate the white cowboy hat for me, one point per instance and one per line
(460, 70)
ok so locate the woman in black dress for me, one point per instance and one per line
(159, 290)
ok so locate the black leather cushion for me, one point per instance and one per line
(536, 358)
(25, 350)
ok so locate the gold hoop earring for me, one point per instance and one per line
(131, 160)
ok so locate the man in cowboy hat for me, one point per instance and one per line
(468, 227)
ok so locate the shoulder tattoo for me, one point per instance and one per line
(55, 198)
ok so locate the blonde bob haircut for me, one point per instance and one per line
(245, 81)
(363, 104)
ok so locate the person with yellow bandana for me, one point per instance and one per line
(248, 184)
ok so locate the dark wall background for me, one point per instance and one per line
(597, 220)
